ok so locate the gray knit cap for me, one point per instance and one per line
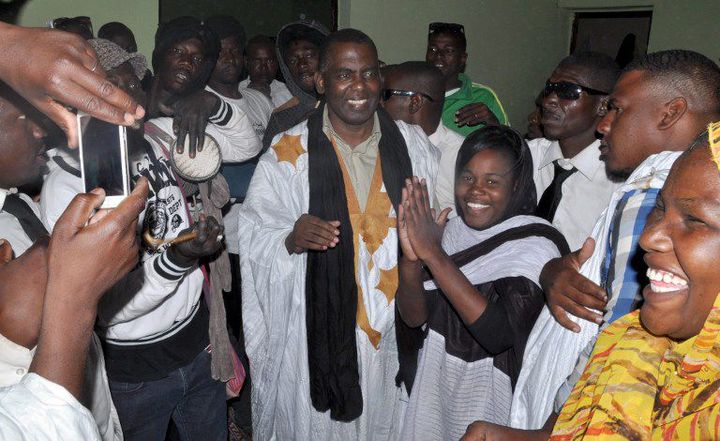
(110, 56)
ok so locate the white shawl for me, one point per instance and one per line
(552, 351)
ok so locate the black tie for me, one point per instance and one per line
(29, 222)
(551, 196)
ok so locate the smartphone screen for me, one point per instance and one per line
(103, 154)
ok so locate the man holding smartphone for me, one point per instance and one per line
(154, 322)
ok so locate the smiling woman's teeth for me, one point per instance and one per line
(663, 281)
(357, 102)
(475, 206)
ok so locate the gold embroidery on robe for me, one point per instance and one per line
(288, 148)
(373, 225)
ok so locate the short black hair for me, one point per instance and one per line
(421, 77)
(225, 26)
(109, 30)
(182, 29)
(455, 30)
(260, 40)
(602, 70)
(693, 74)
(348, 35)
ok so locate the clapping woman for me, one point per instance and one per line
(474, 284)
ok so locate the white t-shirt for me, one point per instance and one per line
(279, 93)
(258, 109)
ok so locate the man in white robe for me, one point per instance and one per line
(277, 229)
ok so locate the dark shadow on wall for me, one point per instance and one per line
(257, 16)
(9, 11)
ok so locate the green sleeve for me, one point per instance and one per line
(486, 95)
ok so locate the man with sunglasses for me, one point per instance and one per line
(570, 178)
(415, 93)
(468, 106)
(659, 107)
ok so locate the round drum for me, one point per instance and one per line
(205, 165)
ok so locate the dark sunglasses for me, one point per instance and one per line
(446, 28)
(387, 93)
(569, 91)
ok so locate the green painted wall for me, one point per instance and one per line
(513, 45)
(139, 15)
(276, 13)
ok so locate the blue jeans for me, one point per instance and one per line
(188, 395)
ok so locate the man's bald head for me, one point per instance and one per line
(425, 85)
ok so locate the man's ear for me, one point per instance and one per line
(674, 110)
(6, 252)
(319, 83)
(416, 103)
(463, 59)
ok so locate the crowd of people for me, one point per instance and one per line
(379, 256)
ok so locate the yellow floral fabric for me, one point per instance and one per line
(641, 387)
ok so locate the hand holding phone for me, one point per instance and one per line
(104, 158)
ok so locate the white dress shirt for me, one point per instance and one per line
(585, 194)
(279, 93)
(448, 142)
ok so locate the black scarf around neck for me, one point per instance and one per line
(330, 290)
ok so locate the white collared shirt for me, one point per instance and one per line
(585, 194)
(448, 142)
(10, 228)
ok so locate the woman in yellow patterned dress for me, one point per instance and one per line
(655, 373)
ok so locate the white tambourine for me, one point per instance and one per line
(205, 165)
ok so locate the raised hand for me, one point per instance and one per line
(474, 114)
(424, 230)
(190, 118)
(402, 229)
(568, 291)
(86, 258)
(52, 68)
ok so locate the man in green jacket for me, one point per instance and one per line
(468, 106)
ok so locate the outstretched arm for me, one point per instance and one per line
(568, 291)
(84, 260)
(52, 69)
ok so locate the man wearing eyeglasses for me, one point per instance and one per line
(572, 185)
(468, 105)
(415, 93)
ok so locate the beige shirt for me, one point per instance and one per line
(359, 160)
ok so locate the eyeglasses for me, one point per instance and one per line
(566, 90)
(446, 28)
(387, 93)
